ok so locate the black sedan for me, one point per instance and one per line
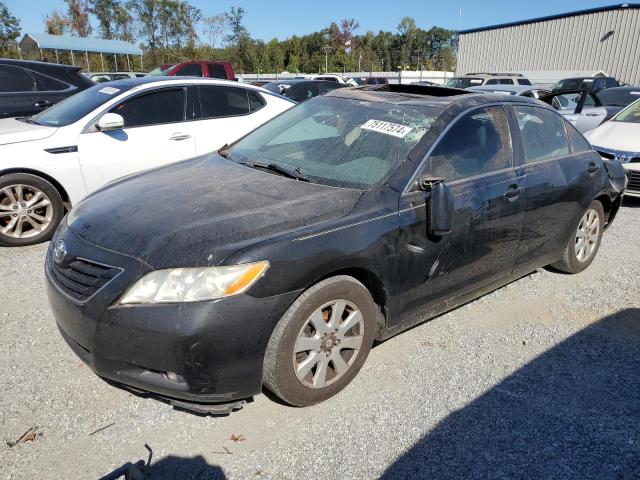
(350, 218)
(302, 90)
(27, 87)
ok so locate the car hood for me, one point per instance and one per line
(616, 136)
(15, 131)
(197, 212)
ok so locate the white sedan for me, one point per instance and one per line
(619, 138)
(52, 160)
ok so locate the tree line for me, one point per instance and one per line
(170, 31)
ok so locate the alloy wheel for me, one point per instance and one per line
(587, 235)
(328, 344)
(25, 211)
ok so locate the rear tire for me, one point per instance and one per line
(30, 210)
(584, 242)
(321, 342)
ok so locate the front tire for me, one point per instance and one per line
(30, 210)
(585, 242)
(321, 342)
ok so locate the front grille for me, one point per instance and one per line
(634, 181)
(80, 279)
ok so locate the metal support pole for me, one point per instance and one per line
(128, 62)
(41, 58)
(115, 61)
(19, 51)
(73, 61)
(86, 57)
(102, 61)
(57, 59)
(141, 66)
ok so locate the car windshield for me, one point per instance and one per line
(463, 82)
(159, 72)
(631, 114)
(77, 106)
(338, 142)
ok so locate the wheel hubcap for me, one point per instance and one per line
(587, 235)
(328, 343)
(25, 211)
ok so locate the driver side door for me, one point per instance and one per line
(155, 133)
(475, 159)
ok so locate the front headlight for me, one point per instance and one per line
(194, 284)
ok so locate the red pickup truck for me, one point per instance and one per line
(201, 68)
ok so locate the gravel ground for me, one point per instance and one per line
(540, 379)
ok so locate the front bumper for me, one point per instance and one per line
(197, 352)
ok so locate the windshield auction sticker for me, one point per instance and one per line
(109, 90)
(387, 128)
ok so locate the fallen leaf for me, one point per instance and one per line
(237, 438)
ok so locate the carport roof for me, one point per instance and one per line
(77, 44)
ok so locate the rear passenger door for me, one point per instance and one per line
(474, 158)
(559, 168)
(224, 114)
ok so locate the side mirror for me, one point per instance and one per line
(440, 208)
(109, 122)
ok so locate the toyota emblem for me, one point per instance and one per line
(59, 252)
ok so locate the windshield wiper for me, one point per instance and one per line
(224, 151)
(295, 174)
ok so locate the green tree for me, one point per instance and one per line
(56, 23)
(9, 29)
(78, 15)
(114, 19)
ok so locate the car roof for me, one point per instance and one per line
(160, 80)
(38, 66)
(431, 96)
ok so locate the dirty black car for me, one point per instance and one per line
(279, 260)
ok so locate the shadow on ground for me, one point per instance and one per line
(168, 468)
(572, 413)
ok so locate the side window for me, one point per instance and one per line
(14, 79)
(505, 81)
(217, 102)
(256, 102)
(543, 134)
(217, 71)
(479, 142)
(492, 81)
(48, 84)
(190, 70)
(576, 140)
(524, 81)
(166, 106)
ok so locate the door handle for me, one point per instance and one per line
(593, 169)
(594, 114)
(42, 103)
(513, 193)
(179, 136)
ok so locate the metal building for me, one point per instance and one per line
(599, 39)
